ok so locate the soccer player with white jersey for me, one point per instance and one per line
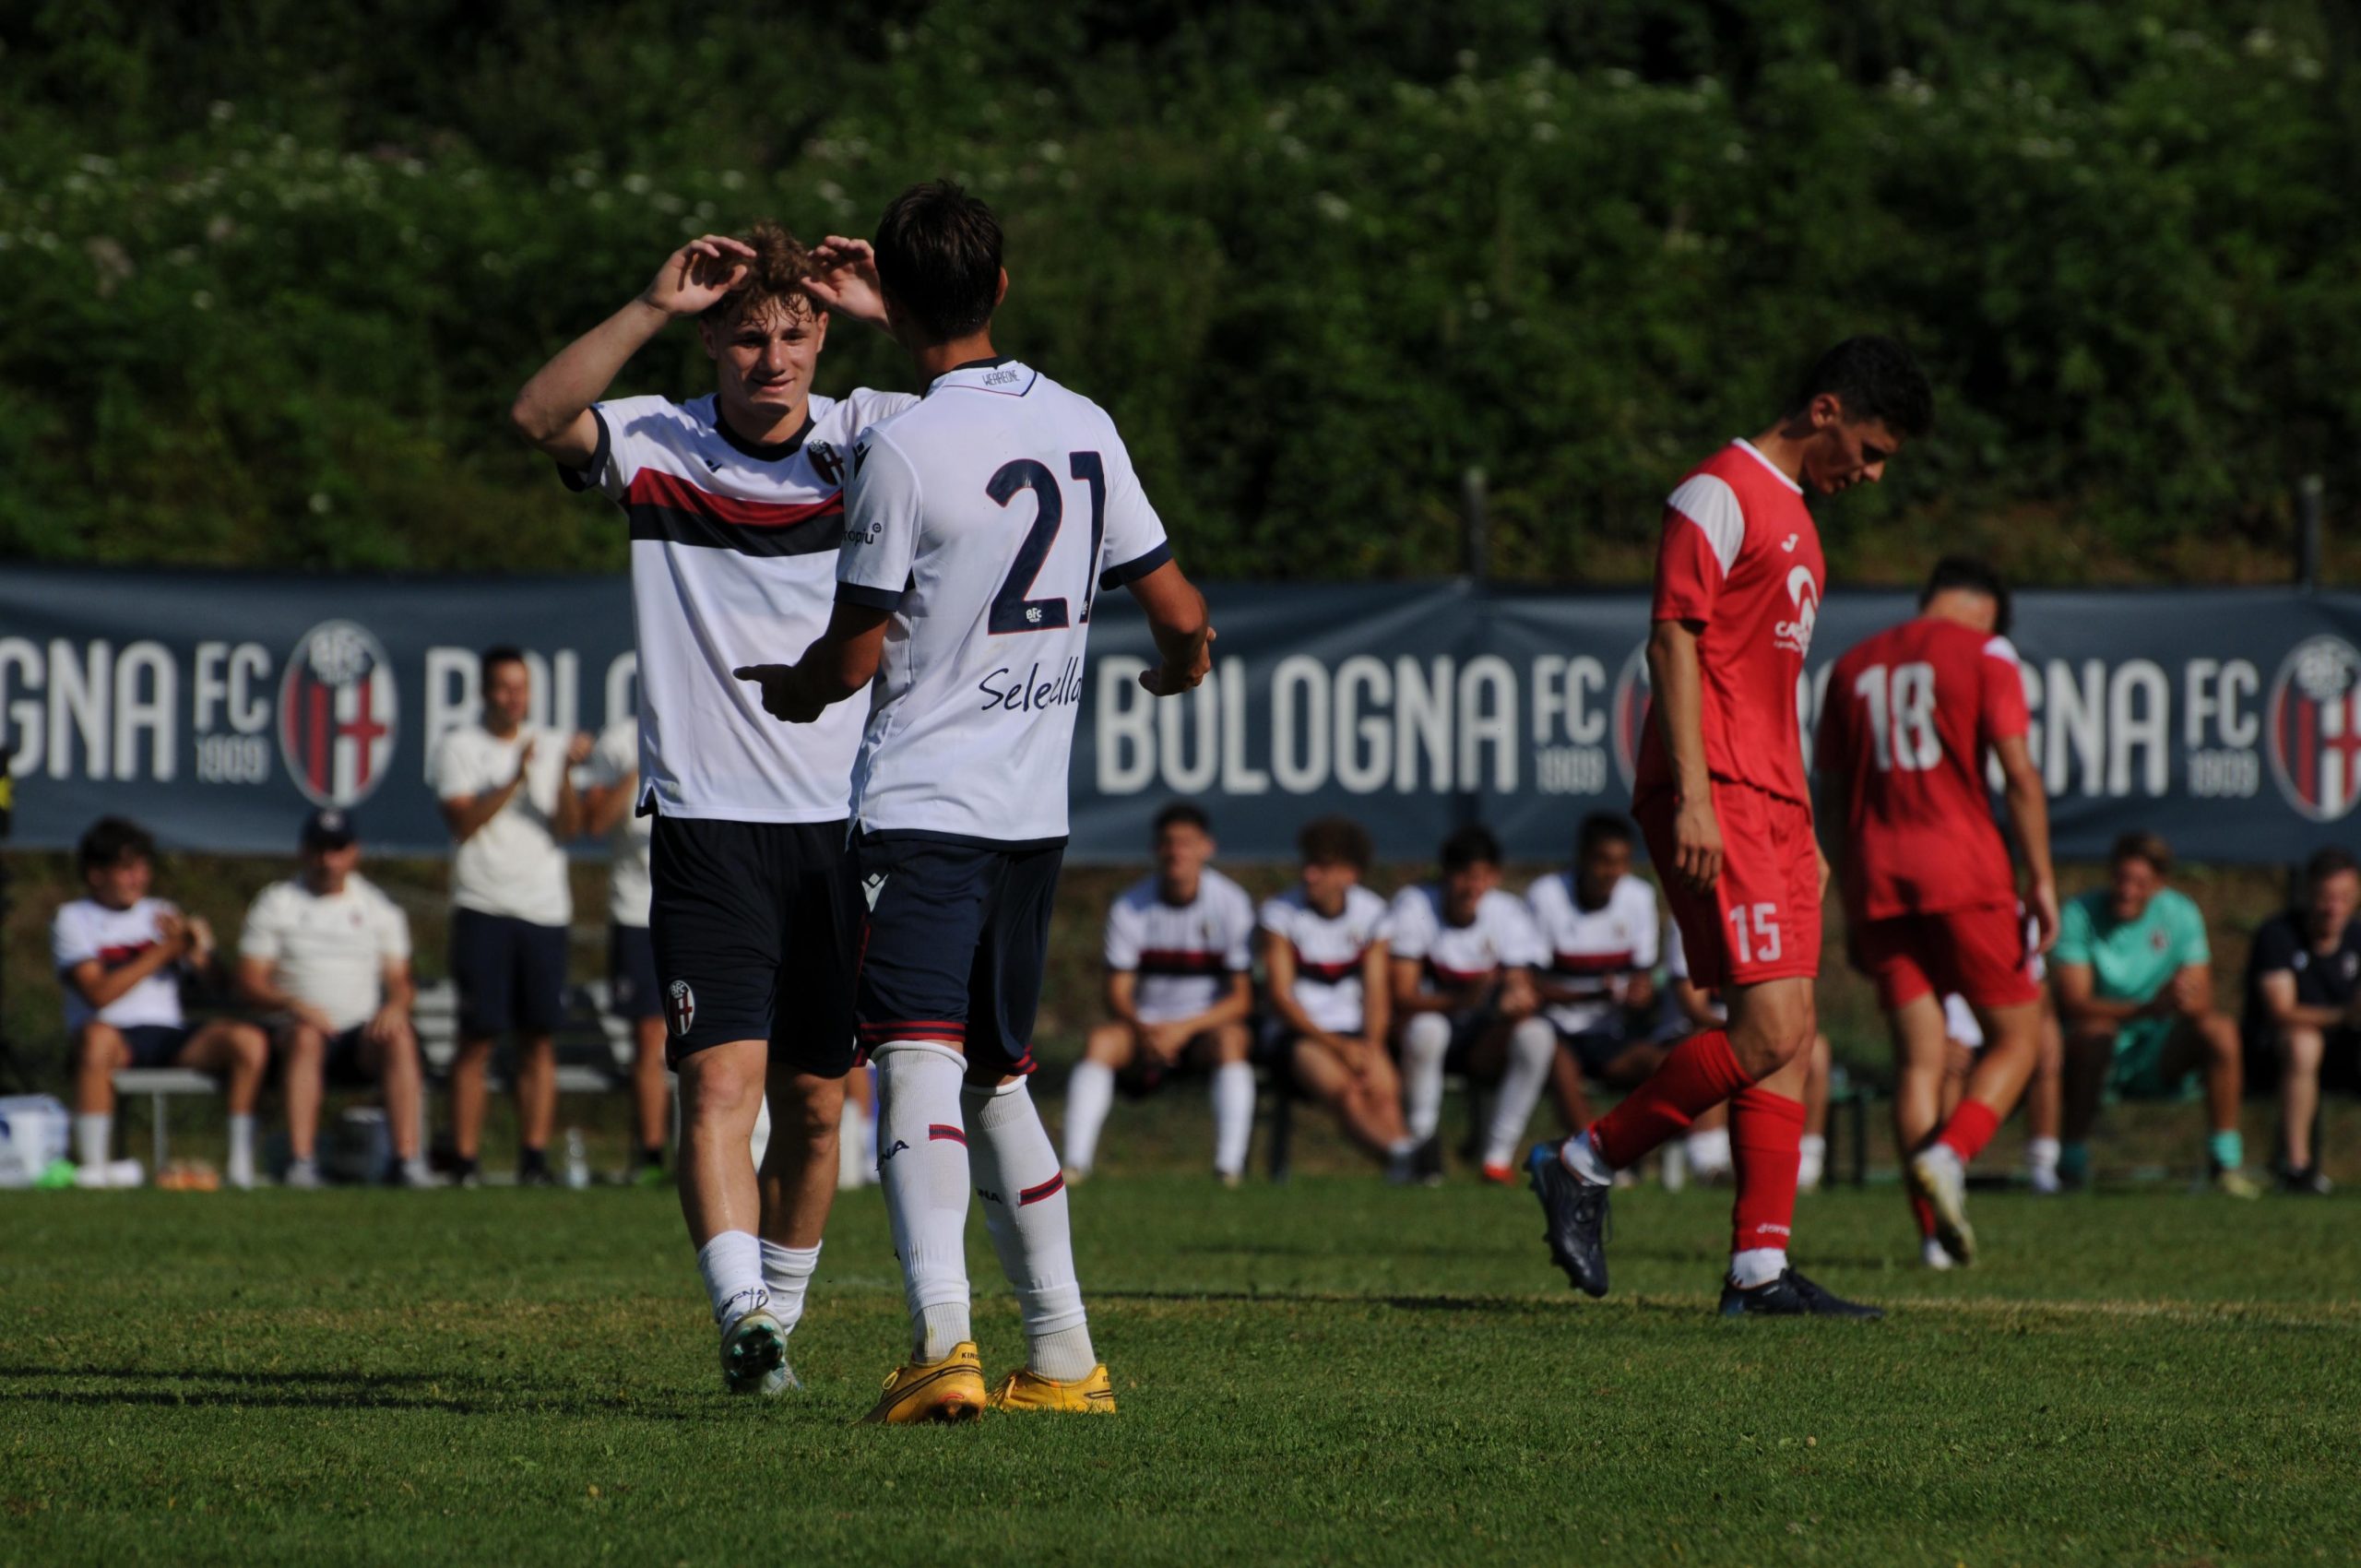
(1722, 800)
(1325, 958)
(610, 802)
(120, 955)
(1464, 954)
(1598, 924)
(735, 503)
(983, 525)
(1914, 716)
(1179, 983)
(329, 955)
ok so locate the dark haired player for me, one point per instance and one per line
(736, 508)
(1721, 801)
(1931, 902)
(2304, 1006)
(983, 524)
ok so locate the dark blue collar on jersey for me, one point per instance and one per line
(761, 451)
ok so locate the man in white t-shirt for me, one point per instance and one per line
(610, 798)
(328, 954)
(1601, 927)
(980, 526)
(120, 956)
(507, 792)
(736, 509)
(1464, 955)
(1179, 983)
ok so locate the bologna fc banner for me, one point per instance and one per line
(218, 707)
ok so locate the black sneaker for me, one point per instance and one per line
(1575, 1212)
(2307, 1182)
(467, 1173)
(1425, 1162)
(1791, 1295)
(533, 1169)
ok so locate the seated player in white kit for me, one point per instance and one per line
(1325, 960)
(1600, 926)
(1179, 986)
(1464, 954)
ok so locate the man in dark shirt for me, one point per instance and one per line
(2304, 1003)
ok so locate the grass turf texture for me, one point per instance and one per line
(1332, 1372)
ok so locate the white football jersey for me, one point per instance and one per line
(630, 886)
(987, 518)
(513, 865)
(1183, 954)
(1328, 953)
(329, 950)
(733, 561)
(87, 929)
(1590, 950)
(1502, 936)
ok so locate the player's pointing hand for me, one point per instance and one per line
(698, 274)
(783, 697)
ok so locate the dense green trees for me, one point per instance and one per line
(273, 270)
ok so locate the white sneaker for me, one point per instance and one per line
(303, 1175)
(2043, 1180)
(1932, 1254)
(1936, 1175)
(415, 1174)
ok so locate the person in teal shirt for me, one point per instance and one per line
(2135, 992)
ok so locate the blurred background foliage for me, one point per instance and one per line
(273, 269)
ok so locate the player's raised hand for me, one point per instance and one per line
(578, 750)
(1167, 680)
(699, 275)
(1698, 837)
(783, 696)
(844, 279)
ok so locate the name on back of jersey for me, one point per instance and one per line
(1031, 693)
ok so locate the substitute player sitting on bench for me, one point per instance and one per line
(1600, 926)
(329, 955)
(1463, 957)
(2304, 1006)
(1180, 985)
(1325, 954)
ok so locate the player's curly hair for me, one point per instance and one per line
(112, 840)
(775, 277)
(1335, 841)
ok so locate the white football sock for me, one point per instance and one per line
(242, 1150)
(1581, 1156)
(733, 1267)
(786, 1273)
(1090, 1094)
(1233, 1098)
(1811, 1162)
(856, 1147)
(1709, 1152)
(1426, 1040)
(923, 1168)
(1026, 1210)
(2041, 1156)
(1757, 1266)
(94, 1139)
(1532, 1046)
(1932, 1253)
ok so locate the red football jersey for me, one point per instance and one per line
(1740, 555)
(1908, 717)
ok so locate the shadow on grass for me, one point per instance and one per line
(326, 1390)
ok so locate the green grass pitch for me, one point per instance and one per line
(1326, 1372)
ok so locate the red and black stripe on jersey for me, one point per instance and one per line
(1599, 968)
(666, 507)
(1328, 974)
(1448, 979)
(1180, 961)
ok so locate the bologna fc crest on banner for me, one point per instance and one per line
(336, 706)
(2314, 728)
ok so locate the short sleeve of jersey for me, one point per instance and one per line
(264, 936)
(1123, 936)
(2188, 930)
(615, 759)
(1647, 937)
(2005, 717)
(1522, 945)
(1238, 951)
(882, 514)
(70, 939)
(617, 456)
(2274, 948)
(2074, 934)
(452, 778)
(1409, 926)
(1702, 529)
(1134, 545)
(1273, 918)
(1545, 900)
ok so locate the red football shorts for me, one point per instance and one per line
(1761, 919)
(1978, 953)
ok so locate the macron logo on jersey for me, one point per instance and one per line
(1796, 634)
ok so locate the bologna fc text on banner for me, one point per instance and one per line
(218, 707)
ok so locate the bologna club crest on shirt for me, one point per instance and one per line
(337, 705)
(2313, 728)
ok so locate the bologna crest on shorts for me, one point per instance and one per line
(679, 1007)
(337, 707)
(2313, 728)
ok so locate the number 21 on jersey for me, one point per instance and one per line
(1012, 610)
(1901, 703)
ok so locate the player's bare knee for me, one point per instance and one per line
(1109, 1045)
(1232, 1043)
(250, 1048)
(98, 1048)
(2301, 1048)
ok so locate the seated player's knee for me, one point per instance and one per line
(1109, 1045)
(100, 1048)
(305, 1044)
(1232, 1042)
(1427, 1036)
(250, 1048)
(2301, 1047)
(2220, 1036)
(1534, 1040)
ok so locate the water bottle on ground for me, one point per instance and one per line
(577, 1158)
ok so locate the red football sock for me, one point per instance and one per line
(1701, 1072)
(1766, 1145)
(1970, 1128)
(1924, 1212)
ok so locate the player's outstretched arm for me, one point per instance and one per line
(1176, 618)
(2028, 807)
(552, 412)
(1680, 686)
(843, 661)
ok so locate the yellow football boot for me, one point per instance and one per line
(949, 1390)
(1022, 1391)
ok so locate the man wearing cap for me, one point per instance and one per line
(329, 955)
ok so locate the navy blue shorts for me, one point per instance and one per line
(631, 989)
(510, 974)
(755, 928)
(155, 1045)
(1594, 1050)
(958, 936)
